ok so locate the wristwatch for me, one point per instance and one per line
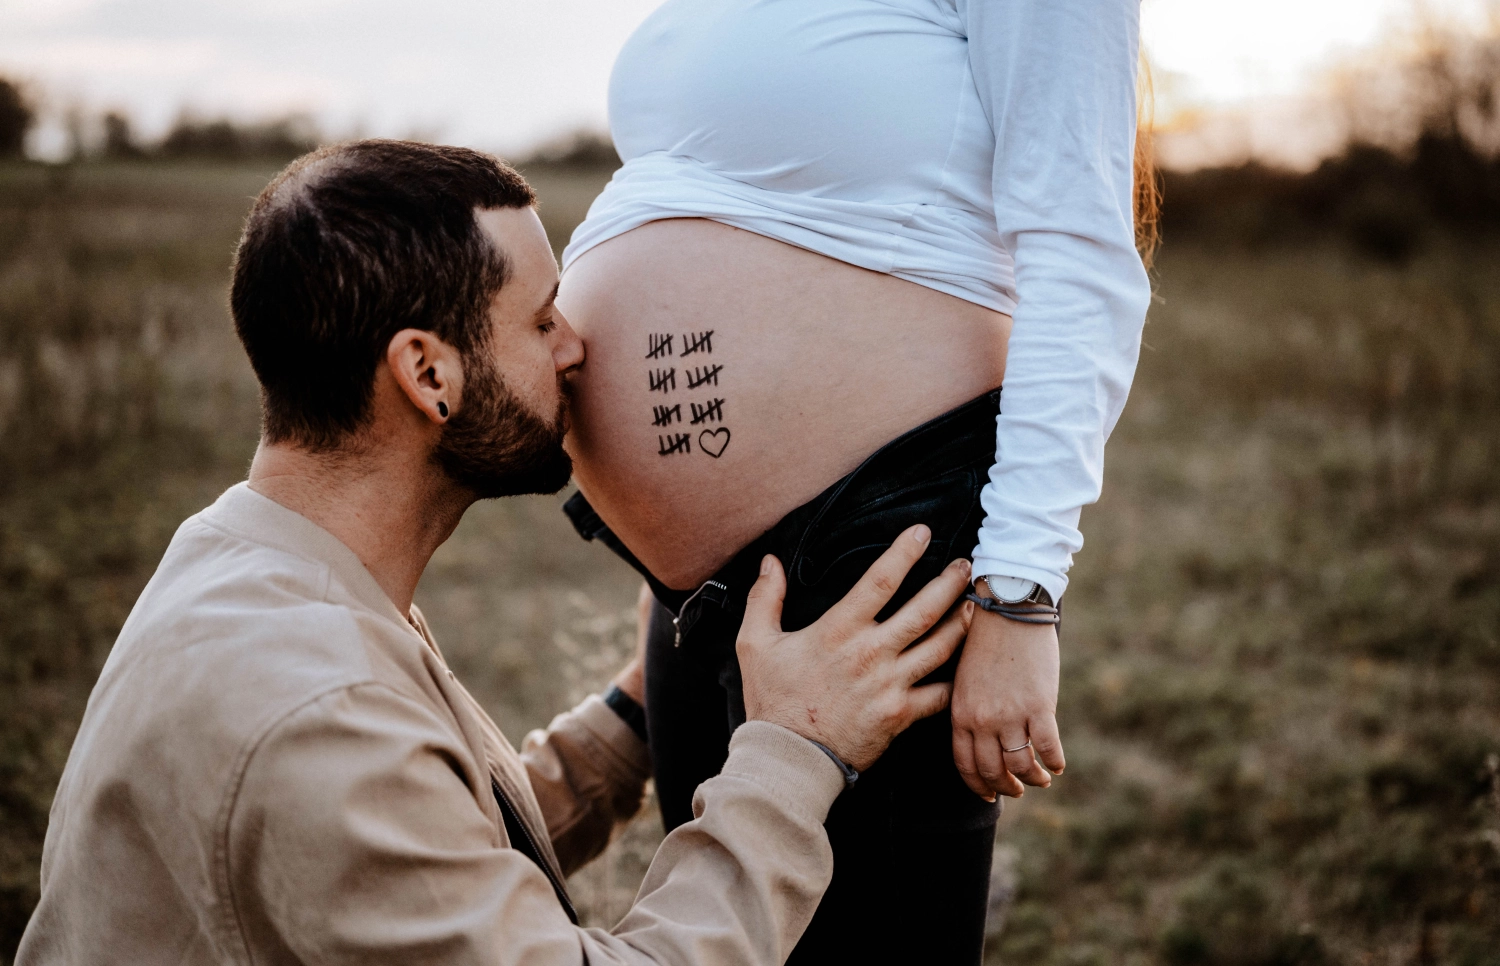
(1016, 598)
(628, 709)
(1016, 590)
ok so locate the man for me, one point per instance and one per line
(276, 765)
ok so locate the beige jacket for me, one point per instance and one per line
(277, 767)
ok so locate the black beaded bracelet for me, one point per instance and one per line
(627, 708)
(1025, 614)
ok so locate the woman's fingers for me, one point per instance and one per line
(929, 654)
(968, 770)
(1047, 742)
(1016, 746)
(880, 583)
(645, 602)
(990, 762)
(927, 606)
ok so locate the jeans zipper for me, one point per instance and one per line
(535, 854)
(677, 621)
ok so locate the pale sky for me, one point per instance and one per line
(504, 74)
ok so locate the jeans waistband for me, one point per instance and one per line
(959, 437)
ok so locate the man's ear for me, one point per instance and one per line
(428, 370)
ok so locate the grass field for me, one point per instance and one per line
(1281, 667)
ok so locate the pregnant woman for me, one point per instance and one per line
(841, 225)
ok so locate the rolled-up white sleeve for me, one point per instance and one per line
(1058, 81)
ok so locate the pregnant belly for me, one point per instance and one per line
(730, 378)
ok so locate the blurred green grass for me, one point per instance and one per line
(1281, 679)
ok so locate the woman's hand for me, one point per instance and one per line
(1005, 695)
(632, 677)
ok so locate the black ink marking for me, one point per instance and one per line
(660, 345)
(703, 376)
(710, 412)
(663, 415)
(714, 441)
(674, 443)
(663, 380)
(697, 342)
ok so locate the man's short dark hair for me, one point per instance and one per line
(348, 246)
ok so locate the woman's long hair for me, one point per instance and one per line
(1147, 183)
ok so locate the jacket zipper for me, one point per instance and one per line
(536, 853)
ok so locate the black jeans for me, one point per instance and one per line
(911, 843)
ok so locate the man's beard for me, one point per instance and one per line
(495, 446)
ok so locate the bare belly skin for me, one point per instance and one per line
(730, 378)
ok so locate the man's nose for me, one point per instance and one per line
(568, 353)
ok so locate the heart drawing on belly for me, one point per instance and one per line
(714, 441)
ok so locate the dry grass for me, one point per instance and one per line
(1283, 651)
(1282, 656)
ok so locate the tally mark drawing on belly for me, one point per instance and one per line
(696, 342)
(703, 376)
(710, 412)
(662, 345)
(659, 344)
(663, 380)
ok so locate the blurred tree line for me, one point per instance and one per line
(16, 117)
(582, 150)
(217, 139)
(1423, 153)
(1422, 156)
(222, 139)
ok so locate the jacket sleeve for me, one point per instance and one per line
(356, 834)
(1057, 81)
(589, 771)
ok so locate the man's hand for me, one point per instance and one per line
(1005, 695)
(847, 681)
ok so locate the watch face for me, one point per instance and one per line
(1010, 590)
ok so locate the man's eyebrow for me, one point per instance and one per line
(550, 298)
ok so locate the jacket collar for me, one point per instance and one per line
(260, 519)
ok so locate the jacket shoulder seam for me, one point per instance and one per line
(235, 533)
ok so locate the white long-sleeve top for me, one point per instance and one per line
(982, 148)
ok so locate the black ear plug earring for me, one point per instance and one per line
(443, 410)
